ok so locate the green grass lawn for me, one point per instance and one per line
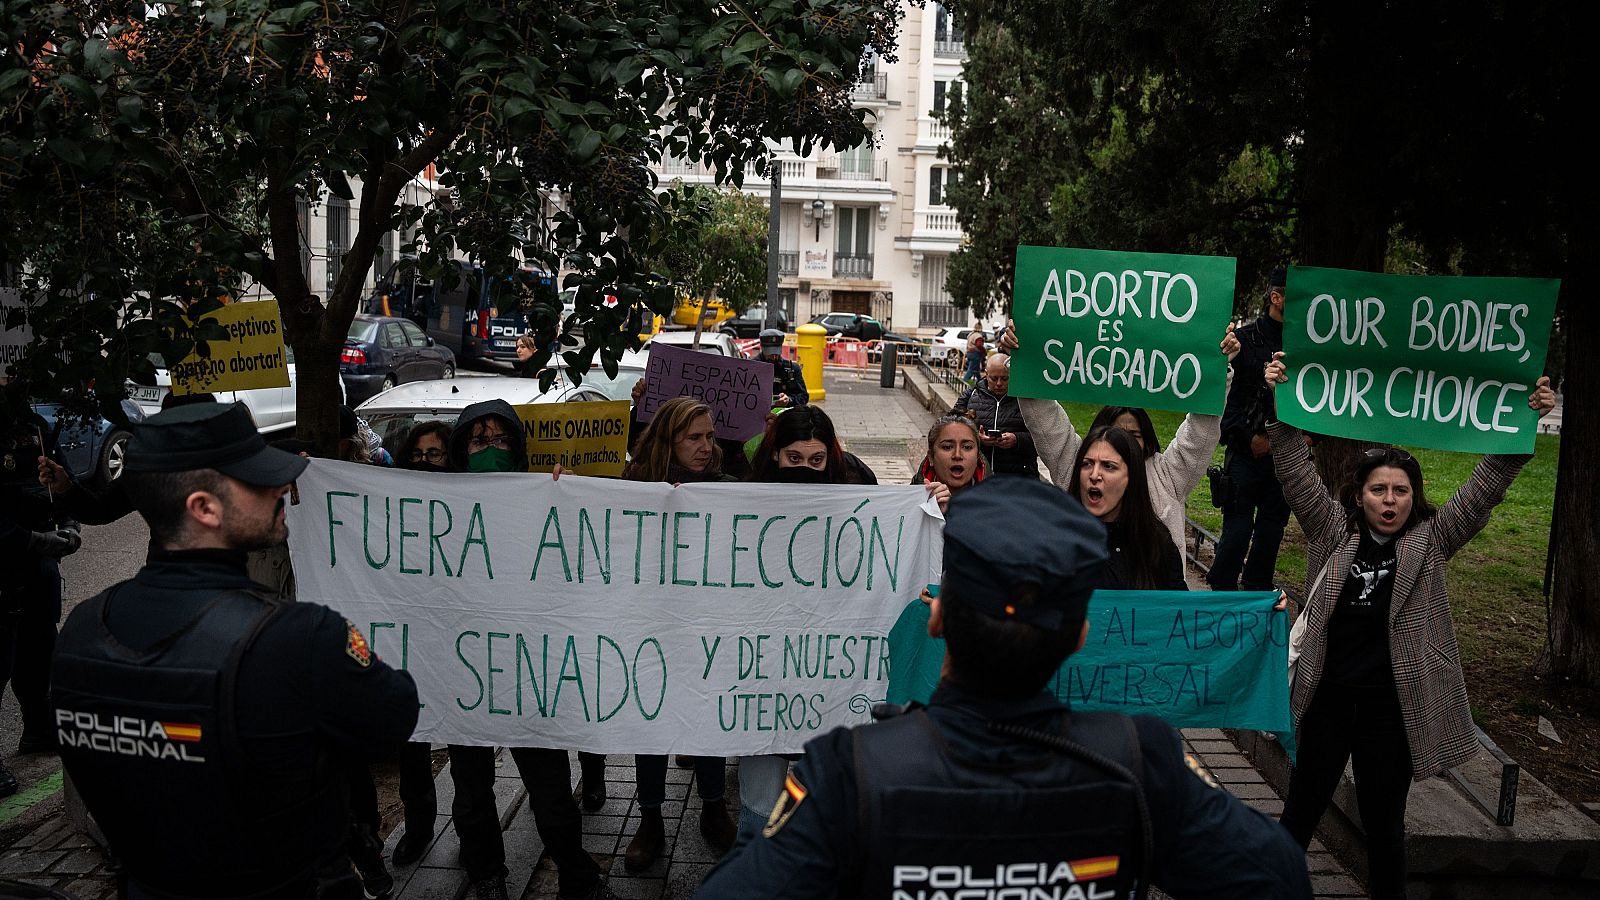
(1496, 598)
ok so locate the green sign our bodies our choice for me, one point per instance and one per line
(1127, 329)
(1192, 659)
(1444, 362)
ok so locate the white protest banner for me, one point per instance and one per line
(618, 616)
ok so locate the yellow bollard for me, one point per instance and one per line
(810, 346)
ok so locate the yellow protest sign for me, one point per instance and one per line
(252, 357)
(586, 438)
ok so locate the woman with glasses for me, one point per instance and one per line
(679, 446)
(426, 448)
(1378, 680)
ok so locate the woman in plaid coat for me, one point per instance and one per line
(1378, 680)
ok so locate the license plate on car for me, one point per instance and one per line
(504, 345)
(148, 394)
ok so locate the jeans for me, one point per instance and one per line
(760, 783)
(1364, 726)
(547, 775)
(650, 774)
(1252, 521)
(974, 364)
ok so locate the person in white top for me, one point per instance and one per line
(1172, 473)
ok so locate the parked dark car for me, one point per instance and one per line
(93, 448)
(849, 325)
(752, 323)
(908, 348)
(383, 351)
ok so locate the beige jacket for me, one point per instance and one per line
(1422, 636)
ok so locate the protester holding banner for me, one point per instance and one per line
(1110, 482)
(996, 788)
(426, 448)
(678, 446)
(1254, 512)
(488, 437)
(1378, 678)
(1008, 447)
(1172, 474)
(953, 463)
(801, 447)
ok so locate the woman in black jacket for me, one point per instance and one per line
(1109, 480)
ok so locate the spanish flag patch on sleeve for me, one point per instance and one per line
(788, 801)
(356, 647)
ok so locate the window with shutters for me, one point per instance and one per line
(935, 308)
(338, 210)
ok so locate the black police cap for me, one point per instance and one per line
(1022, 550)
(219, 436)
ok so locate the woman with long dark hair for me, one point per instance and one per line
(679, 446)
(801, 446)
(1378, 680)
(1109, 480)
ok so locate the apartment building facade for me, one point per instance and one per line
(868, 230)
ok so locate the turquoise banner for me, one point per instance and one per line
(1193, 659)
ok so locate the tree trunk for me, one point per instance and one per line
(1573, 647)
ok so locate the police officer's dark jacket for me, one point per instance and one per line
(992, 821)
(206, 726)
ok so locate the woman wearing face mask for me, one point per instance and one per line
(488, 437)
(1110, 482)
(426, 448)
(678, 446)
(952, 462)
(1172, 474)
(1378, 680)
(800, 447)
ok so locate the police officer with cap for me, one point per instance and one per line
(206, 723)
(997, 787)
(788, 384)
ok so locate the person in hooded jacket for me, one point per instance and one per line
(488, 437)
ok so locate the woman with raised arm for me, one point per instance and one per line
(1378, 680)
(1172, 473)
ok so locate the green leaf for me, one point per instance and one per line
(13, 78)
(792, 79)
(749, 41)
(627, 70)
(339, 185)
(68, 150)
(79, 89)
(588, 144)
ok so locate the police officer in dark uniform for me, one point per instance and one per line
(206, 722)
(996, 786)
(788, 383)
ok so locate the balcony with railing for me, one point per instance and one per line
(938, 132)
(873, 87)
(851, 168)
(850, 266)
(954, 47)
(788, 262)
(937, 222)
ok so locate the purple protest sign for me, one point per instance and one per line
(739, 391)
